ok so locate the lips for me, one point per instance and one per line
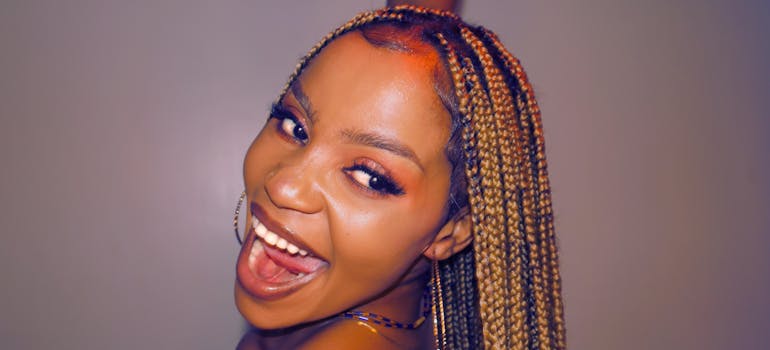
(273, 263)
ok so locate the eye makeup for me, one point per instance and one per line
(370, 177)
(289, 126)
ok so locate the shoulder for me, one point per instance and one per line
(350, 334)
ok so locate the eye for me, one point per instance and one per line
(291, 127)
(288, 124)
(373, 180)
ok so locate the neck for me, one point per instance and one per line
(402, 302)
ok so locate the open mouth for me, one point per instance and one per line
(270, 266)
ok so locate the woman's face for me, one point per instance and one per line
(349, 181)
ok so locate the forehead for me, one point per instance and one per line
(357, 85)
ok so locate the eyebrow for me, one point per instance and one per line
(304, 101)
(381, 142)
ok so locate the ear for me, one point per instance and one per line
(453, 237)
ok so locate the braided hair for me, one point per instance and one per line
(504, 290)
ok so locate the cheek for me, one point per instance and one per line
(261, 153)
(380, 246)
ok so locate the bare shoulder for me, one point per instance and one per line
(349, 334)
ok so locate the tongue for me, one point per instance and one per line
(279, 266)
(269, 270)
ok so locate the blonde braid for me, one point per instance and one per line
(469, 137)
(504, 114)
(544, 192)
(549, 260)
(531, 229)
(489, 247)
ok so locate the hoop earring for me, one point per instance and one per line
(237, 214)
(437, 306)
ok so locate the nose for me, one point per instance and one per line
(293, 184)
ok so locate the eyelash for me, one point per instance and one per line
(297, 132)
(387, 186)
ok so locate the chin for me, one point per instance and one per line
(261, 318)
(253, 314)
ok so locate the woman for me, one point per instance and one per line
(398, 197)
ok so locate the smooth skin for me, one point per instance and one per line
(358, 117)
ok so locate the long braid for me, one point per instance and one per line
(539, 307)
(491, 267)
(544, 194)
(464, 262)
(538, 314)
(505, 291)
(504, 111)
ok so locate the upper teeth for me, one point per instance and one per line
(272, 239)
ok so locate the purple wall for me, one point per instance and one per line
(123, 127)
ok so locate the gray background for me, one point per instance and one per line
(124, 125)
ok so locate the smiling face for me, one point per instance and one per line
(347, 186)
